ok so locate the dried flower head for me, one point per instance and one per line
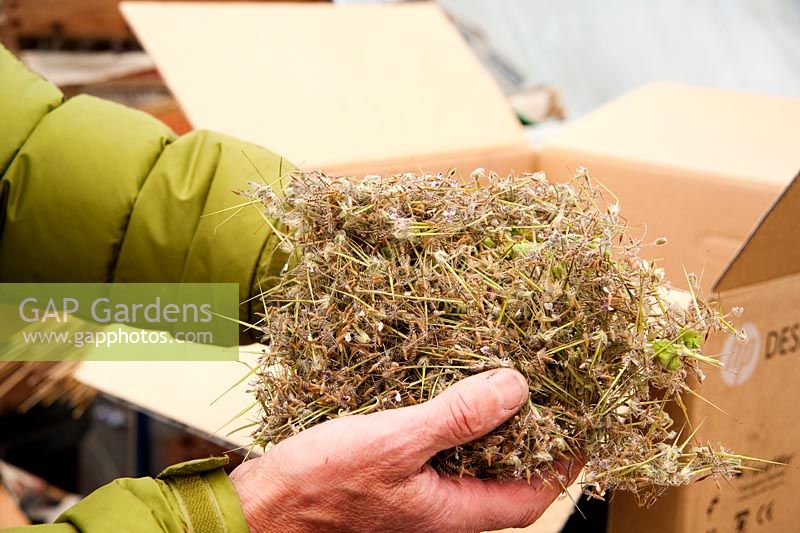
(398, 286)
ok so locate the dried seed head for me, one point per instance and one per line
(421, 280)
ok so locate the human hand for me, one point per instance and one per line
(369, 473)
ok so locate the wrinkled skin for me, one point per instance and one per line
(369, 472)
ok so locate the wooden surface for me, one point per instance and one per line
(68, 19)
(76, 19)
(329, 86)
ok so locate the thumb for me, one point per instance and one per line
(465, 411)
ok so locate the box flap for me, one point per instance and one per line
(327, 86)
(706, 131)
(771, 251)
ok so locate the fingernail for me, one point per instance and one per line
(511, 386)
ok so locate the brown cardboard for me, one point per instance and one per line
(347, 89)
(757, 387)
(698, 166)
(771, 251)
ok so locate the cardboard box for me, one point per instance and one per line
(757, 387)
(698, 166)
(347, 89)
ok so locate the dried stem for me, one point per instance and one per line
(398, 286)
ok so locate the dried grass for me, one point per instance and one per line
(395, 287)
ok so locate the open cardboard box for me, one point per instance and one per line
(756, 388)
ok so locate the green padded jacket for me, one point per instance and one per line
(194, 497)
(92, 191)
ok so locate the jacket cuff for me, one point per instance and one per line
(205, 495)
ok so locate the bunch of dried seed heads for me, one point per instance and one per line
(395, 287)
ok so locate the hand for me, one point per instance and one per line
(369, 472)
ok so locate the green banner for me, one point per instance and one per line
(119, 321)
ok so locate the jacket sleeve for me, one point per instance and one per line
(92, 191)
(193, 496)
